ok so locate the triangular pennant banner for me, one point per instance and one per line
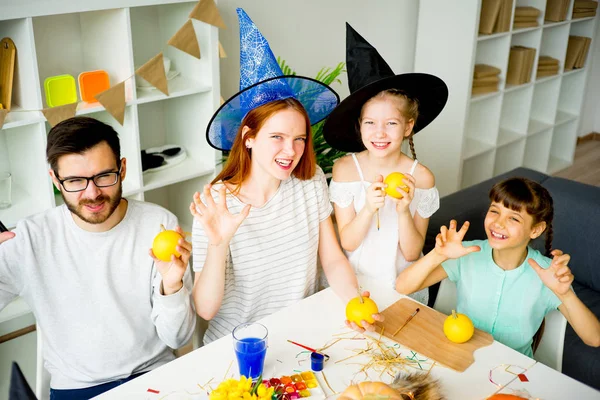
(207, 11)
(58, 114)
(222, 53)
(113, 100)
(185, 40)
(222, 100)
(154, 72)
(2, 117)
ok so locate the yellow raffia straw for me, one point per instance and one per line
(327, 382)
(226, 372)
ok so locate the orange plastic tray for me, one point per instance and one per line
(91, 83)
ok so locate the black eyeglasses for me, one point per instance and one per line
(79, 183)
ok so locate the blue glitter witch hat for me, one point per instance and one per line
(261, 82)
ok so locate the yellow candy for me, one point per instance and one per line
(262, 390)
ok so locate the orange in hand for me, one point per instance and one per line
(165, 244)
(357, 311)
(394, 181)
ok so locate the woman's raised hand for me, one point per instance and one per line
(218, 223)
(448, 242)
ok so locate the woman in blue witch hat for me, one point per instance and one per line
(259, 226)
(382, 234)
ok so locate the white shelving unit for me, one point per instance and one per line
(79, 37)
(532, 125)
(117, 40)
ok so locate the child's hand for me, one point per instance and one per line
(403, 203)
(172, 271)
(557, 277)
(375, 195)
(4, 236)
(367, 326)
(218, 223)
(448, 243)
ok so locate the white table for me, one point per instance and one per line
(313, 322)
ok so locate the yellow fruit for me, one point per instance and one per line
(458, 328)
(357, 311)
(393, 181)
(164, 245)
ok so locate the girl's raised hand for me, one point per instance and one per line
(557, 277)
(403, 203)
(218, 223)
(375, 195)
(448, 242)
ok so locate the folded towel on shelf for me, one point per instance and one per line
(583, 14)
(525, 18)
(483, 89)
(521, 25)
(526, 11)
(547, 60)
(487, 81)
(483, 70)
(542, 74)
(585, 4)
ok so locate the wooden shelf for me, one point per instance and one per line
(187, 169)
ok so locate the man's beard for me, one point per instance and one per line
(111, 204)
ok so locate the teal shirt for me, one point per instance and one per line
(510, 305)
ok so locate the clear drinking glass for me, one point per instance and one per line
(250, 345)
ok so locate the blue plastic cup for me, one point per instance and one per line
(250, 346)
(317, 361)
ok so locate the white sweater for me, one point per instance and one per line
(96, 296)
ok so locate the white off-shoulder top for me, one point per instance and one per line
(379, 255)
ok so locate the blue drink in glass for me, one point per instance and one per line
(250, 345)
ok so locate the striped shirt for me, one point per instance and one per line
(272, 258)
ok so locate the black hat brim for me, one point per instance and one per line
(340, 127)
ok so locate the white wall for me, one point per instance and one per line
(311, 34)
(590, 113)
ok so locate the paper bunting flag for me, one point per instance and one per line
(2, 117)
(222, 100)
(207, 11)
(54, 115)
(154, 72)
(113, 100)
(222, 53)
(185, 40)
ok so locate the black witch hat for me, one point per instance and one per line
(369, 74)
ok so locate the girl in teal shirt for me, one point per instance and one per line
(503, 285)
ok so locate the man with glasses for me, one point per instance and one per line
(108, 310)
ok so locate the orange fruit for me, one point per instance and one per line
(394, 181)
(165, 244)
(458, 327)
(357, 312)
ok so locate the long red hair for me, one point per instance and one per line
(238, 165)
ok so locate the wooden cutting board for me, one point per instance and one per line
(8, 53)
(425, 334)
